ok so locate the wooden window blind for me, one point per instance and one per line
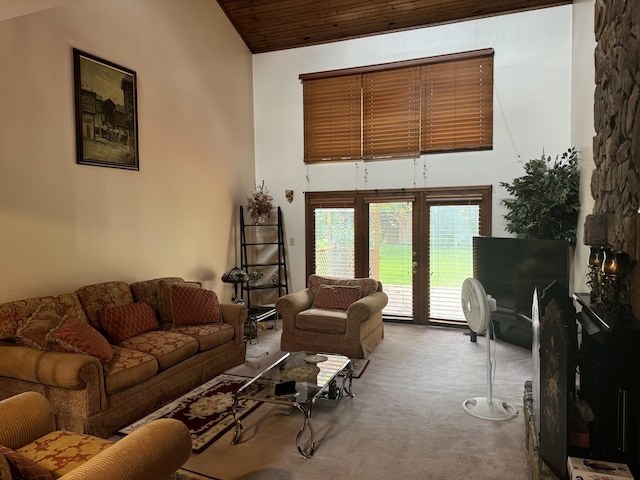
(400, 110)
(391, 113)
(332, 119)
(457, 105)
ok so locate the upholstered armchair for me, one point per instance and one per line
(30, 443)
(333, 315)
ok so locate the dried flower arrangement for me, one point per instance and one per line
(259, 203)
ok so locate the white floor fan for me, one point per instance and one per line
(477, 307)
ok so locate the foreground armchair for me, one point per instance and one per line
(333, 315)
(27, 426)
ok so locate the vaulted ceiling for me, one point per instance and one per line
(269, 25)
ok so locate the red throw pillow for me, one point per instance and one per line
(76, 336)
(126, 321)
(194, 306)
(23, 468)
(336, 297)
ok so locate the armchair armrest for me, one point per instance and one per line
(288, 306)
(235, 314)
(25, 418)
(152, 452)
(364, 308)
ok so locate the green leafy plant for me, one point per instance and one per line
(545, 202)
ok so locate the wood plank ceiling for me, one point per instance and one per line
(270, 25)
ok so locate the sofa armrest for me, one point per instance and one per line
(25, 418)
(152, 452)
(58, 369)
(235, 314)
(290, 305)
(364, 308)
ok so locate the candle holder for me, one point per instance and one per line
(607, 276)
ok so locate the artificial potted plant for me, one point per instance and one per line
(259, 203)
(545, 202)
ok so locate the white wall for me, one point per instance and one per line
(64, 225)
(532, 112)
(582, 125)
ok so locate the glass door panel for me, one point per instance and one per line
(334, 242)
(390, 254)
(451, 232)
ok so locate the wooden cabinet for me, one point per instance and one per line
(609, 373)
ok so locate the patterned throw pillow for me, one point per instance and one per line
(336, 297)
(100, 296)
(166, 298)
(33, 333)
(23, 468)
(194, 306)
(75, 336)
(127, 321)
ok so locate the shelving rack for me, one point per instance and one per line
(263, 249)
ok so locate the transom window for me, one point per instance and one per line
(400, 110)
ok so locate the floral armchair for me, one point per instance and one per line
(31, 447)
(333, 315)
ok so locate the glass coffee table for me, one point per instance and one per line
(299, 380)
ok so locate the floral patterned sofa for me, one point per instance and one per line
(333, 315)
(110, 353)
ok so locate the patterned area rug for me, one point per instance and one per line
(206, 410)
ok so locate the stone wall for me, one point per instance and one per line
(615, 183)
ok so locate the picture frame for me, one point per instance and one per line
(106, 113)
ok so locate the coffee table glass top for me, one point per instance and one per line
(311, 373)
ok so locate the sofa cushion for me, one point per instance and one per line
(368, 285)
(194, 306)
(76, 336)
(337, 297)
(324, 321)
(149, 291)
(166, 299)
(33, 332)
(62, 451)
(167, 347)
(103, 295)
(126, 321)
(128, 368)
(209, 335)
(20, 467)
(13, 314)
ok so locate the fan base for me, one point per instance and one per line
(486, 409)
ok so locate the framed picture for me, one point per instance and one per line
(106, 113)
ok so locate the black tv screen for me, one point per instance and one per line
(511, 268)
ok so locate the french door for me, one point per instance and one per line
(416, 242)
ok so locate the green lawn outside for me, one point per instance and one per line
(395, 265)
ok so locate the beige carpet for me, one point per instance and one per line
(406, 421)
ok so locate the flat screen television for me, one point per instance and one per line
(511, 268)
